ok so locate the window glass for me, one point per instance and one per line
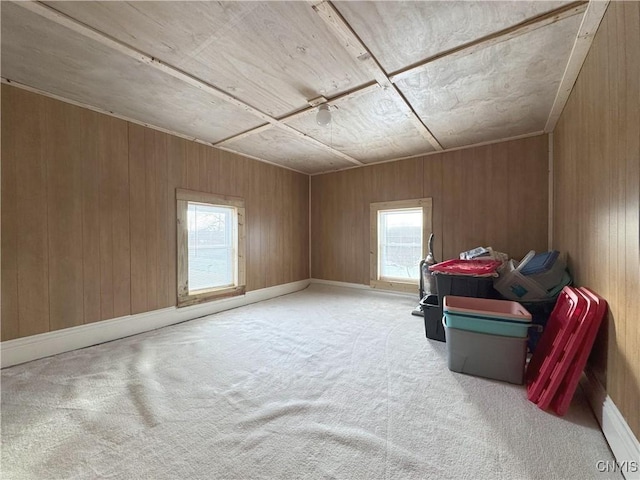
(400, 243)
(398, 233)
(211, 246)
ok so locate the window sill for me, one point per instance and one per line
(211, 295)
(395, 286)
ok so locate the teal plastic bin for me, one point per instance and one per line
(483, 315)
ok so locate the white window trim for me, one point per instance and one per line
(427, 228)
(183, 197)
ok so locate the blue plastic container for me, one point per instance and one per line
(546, 268)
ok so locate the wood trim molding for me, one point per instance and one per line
(182, 255)
(28, 88)
(566, 11)
(427, 227)
(551, 192)
(428, 154)
(334, 101)
(623, 443)
(184, 297)
(195, 196)
(590, 22)
(354, 45)
(50, 13)
(209, 295)
(398, 286)
(398, 204)
(359, 51)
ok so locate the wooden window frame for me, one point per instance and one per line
(183, 197)
(427, 227)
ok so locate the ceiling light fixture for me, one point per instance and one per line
(323, 117)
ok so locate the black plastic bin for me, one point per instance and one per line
(432, 312)
(540, 312)
(464, 286)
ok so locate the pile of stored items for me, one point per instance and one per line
(466, 278)
(535, 282)
(486, 308)
(537, 277)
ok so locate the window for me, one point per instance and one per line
(211, 259)
(398, 242)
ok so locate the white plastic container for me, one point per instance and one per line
(546, 269)
(513, 285)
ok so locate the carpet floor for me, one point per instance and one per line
(327, 383)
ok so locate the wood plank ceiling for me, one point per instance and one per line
(400, 78)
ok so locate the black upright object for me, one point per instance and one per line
(432, 311)
(427, 280)
(418, 310)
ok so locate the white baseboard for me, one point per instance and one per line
(360, 286)
(622, 441)
(20, 350)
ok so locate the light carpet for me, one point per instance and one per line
(327, 383)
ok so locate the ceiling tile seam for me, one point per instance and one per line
(335, 101)
(361, 90)
(495, 38)
(60, 18)
(288, 128)
(253, 157)
(246, 133)
(29, 88)
(351, 42)
(586, 32)
(87, 31)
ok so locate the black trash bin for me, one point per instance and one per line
(432, 312)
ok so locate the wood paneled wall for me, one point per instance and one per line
(493, 195)
(88, 214)
(597, 196)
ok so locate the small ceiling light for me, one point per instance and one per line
(323, 117)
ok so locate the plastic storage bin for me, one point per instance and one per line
(466, 267)
(464, 286)
(497, 317)
(547, 269)
(485, 355)
(540, 312)
(513, 285)
(432, 312)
